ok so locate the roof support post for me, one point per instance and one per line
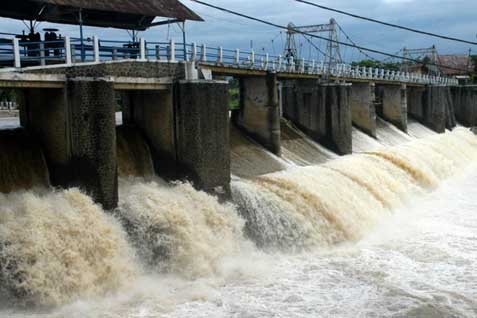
(96, 49)
(194, 52)
(16, 53)
(68, 59)
(172, 51)
(204, 53)
(42, 54)
(142, 48)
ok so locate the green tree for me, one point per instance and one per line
(378, 64)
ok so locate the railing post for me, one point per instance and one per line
(220, 58)
(280, 61)
(158, 52)
(96, 49)
(16, 53)
(114, 54)
(204, 53)
(252, 57)
(302, 67)
(142, 49)
(266, 61)
(42, 53)
(68, 57)
(172, 51)
(313, 64)
(194, 52)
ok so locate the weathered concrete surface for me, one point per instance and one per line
(76, 128)
(22, 164)
(92, 129)
(259, 113)
(394, 104)
(202, 128)
(432, 106)
(438, 108)
(138, 69)
(363, 108)
(465, 104)
(415, 102)
(153, 113)
(322, 111)
(44, 112)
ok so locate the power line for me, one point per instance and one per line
(352, 42)
(387, 23)
(319, 37)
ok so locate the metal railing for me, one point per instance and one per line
(70, 51)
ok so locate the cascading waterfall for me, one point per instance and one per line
(341, 200)
(56, 246)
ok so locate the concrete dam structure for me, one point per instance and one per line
(123, 171)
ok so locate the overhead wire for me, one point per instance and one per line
(317, 36)
(445, 37)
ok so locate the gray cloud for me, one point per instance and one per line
(451, 17)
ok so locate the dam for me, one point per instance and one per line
(130, 187)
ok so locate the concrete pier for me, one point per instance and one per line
(76, 127)
(432, 106)
(465, 104)
(259, 113)
(322, 111)
(363, 108)
(187, 129)
(438, 108)
(394, 104)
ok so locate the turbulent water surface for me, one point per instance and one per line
(388, 232)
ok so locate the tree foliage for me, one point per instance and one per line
(378, 64)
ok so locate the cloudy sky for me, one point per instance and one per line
(450, 17)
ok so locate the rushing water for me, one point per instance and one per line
(358, 236)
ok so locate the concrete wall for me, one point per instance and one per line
(153, 113)
(149, 69)
(415, 102)
(465, 104)
(438, 108)
(322, 111)
(187, 129)
(363, 109)
(394, 104)
(202, 128)
(432, 106)
(259, 113)
(76, 127)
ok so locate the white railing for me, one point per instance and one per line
(71, 51)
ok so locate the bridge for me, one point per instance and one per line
(71, 51)
(176, 96)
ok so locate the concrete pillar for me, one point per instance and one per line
(259, 114)
(76, 128)
(187, 130)
(92, 133)
(323, 112)
(363, 107)
(465, 104)
(438, 108)
(394, 104)
(340, 118)
(202, 133)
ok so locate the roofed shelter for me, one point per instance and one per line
(122, 14)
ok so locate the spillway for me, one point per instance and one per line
(169, 249)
